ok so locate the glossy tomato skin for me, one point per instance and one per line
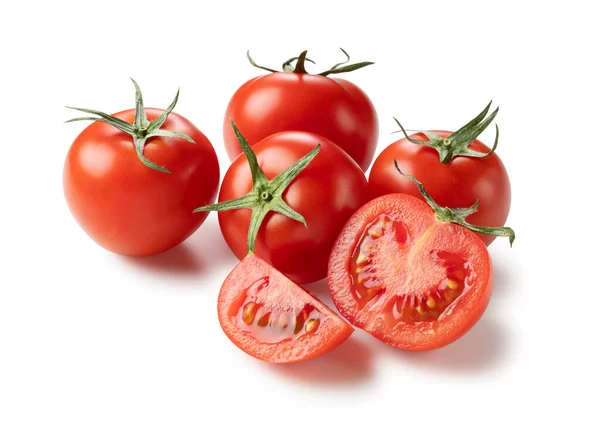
(456, 185)
(128, 208)
(276, 302)
(404, 266)
(327, 192)
(285, 101)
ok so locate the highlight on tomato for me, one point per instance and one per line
(294, 100)
(131, 179)
(456, 168)
(262, 311)
(319, 201)
(412, 273)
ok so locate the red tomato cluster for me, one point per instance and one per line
(404, 252)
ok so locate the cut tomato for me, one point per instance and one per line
(407, 278)
(273, 319)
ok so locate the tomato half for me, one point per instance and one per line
(457, 184)
(406, 278)
(125, 206)
(273, 319)
(326, 194)
(286, 101)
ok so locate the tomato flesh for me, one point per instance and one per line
(273, 319)
(406, 278)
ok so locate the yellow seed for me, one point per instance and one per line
(362, 259)
(312, 325)
(383, 224)
(453, 285)
(374, 232)
(264, 320)
(283, 321)
(420, 309)
(430, 302)
(249, 313)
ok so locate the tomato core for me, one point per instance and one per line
(384, 270)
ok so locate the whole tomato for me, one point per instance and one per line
(456, 168)
(297, 101)
(319, 200)
(132, 179)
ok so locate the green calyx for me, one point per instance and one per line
(459, 215)
(457, 143)
(142, 129)
(299, 67)
(266, 195)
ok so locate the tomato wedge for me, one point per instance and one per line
(405, 272)
(273, 319)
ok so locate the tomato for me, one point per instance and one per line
(124, 205)
(271, 318)
(326, 194)
(296, 101)
(405, 277)
(458, 183)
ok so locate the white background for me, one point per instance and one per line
(87, 336)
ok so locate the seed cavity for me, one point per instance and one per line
(267, 322)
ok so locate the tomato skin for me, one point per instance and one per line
(128, 208)
(456, 185)
(426, 235)
(285, 295)
(285, 101)
(326, 193)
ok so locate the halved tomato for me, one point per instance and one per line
(273, 319)
(408, 278)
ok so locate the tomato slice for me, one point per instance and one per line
(272, 318)
(406, 278)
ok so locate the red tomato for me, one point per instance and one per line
(410, 280)
(326, 194)
(287, 101)
(271, 318)
(457, 184)
(125, 206)
(456, 168)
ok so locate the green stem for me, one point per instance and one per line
(459, 215)
(266, 195)
(457, 144)
(301, 60)
(141, 130)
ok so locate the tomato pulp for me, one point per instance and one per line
(125, 206)
(273, 319)
(406, 278)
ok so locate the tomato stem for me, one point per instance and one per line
(457, 143)
(301, 60)
(266, 195)
(459, 215)
(142, 129)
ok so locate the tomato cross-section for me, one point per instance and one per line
(273, 319)
(407, 278)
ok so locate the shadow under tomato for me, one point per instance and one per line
(349, 363)
(178, 260)
(205, 249)
(504, 278)
(484, 348)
